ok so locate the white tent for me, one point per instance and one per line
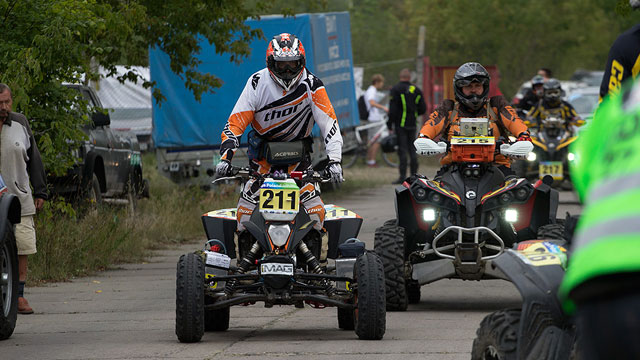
(129, 102)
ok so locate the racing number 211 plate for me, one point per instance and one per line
(279, 199)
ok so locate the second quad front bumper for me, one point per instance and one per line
(462, 259)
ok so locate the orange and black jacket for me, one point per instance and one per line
(502, 116)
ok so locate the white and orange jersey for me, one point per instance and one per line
(278, 115)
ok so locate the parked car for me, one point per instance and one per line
(568, 86)
(585, 100)
(110, 166)
(589, 77)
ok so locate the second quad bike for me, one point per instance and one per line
(455, 225)
(277, 263)
(551, 154)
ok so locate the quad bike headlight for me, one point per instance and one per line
(420, 194)
(522, 193)
(511, 215)
(429, 215)
(506, 197)
(532, 156)
(571, 157)
(279, 234)
(435, 197)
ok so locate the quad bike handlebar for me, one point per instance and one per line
(244, 173)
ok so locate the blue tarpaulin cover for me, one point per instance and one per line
(180, 121)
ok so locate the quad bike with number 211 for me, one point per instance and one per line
(277, 263)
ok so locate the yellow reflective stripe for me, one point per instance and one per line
(636, 68)
(567, 142)
(539, 144)
(404, 110)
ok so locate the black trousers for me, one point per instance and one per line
(609, 328)
(406, 137)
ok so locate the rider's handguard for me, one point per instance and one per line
(243, 266)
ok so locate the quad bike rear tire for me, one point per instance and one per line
(345, 319)
(413, 291)
(216, 320)
(190, 298)
(551, 232)
(497, 337)
(8, 291)
(370, 312)
(389, 245)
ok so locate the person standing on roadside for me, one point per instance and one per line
(377, 111)
(406, 104)
(21, 164)
(546, 73)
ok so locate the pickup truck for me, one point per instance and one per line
(110, 166)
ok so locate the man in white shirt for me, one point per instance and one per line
(377, 112)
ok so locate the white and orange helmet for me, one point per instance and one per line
(282, 50)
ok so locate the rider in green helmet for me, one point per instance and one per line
(602, 283)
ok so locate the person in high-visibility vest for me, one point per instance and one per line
(602, 283)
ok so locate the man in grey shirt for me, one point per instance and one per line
(20, 163)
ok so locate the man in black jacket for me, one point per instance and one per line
(406, 104)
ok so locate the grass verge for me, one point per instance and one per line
(71, 246)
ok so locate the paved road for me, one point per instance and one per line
(128, 313)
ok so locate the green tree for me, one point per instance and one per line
(45, 43)
(519, 36)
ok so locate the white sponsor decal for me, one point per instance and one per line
(334, 51)
(330, 23)
(336, 78)
(217, 259)
(276, 269)
(334, 65)
(338, 103)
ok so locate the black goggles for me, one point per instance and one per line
(553, 93)
(291, 66)
(468, 81)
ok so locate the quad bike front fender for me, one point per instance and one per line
(340, 223)
(544, 331)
